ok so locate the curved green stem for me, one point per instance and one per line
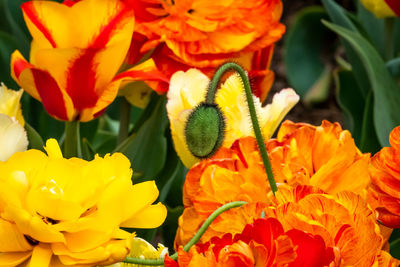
(256, 127)
(195, 238)
(72, 143)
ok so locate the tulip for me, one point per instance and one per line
(76, 52)
(57, 211)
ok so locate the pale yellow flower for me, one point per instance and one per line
(142, 249)
(58, 212)
(10, 103)
(12, 137)
(188, 89)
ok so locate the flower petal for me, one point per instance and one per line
(150, 217)
(41, 256)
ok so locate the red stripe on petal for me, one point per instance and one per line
(107, 31)
(30, 12)
(152, 75)
(394, 5)
(70, 2)
(50, 93)
(19, 66)
(81, 80)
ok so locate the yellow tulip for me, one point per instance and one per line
(57, 211)
(188, 89)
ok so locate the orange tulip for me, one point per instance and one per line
(384, 192)
(303, 226)
(205, 34)
(262, 243)
(343, 220)
(324, 156)
(76, 51)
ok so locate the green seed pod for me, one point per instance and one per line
(204, 130)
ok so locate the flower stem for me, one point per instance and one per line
(252, 110)
(72, 143)
(389, 35)
(195, 238)
(125, 118)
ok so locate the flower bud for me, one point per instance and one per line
(204, 130)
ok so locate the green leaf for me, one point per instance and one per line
(50, 127)
(339, 16)
(319, 92)
(350, 101)
(87, 150)
(394, 242)
(369, 139)
(147, 148)
(7, 46)
(171, 224)
(394, 69)
(35, 141)
(16, 22)
(373, 26)
(386, 92)
(303, 48)
(89, 129)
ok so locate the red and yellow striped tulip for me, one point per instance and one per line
(76, 52)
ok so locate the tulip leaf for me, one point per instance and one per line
(7, 46)
(319, 92)
(89, 129)
(394, 242)
(373, 26)
(386, 92)
(16, 22)
(352, 105)
(87, 150)
(147, 149)
(394, 68)
(303, 48)
(172, 176)
(171, 224)
(35, 140)
(340, 17)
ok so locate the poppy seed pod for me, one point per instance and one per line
(204, 131)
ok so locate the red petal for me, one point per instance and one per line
(50, 93)
(81, 81)
(311, 250)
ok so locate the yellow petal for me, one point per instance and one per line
(12, 240)
(10, 103)
(141, 196)
(9, 259)
(186, 91)
(34, 226)
(41, 256)
(272, 114)
(13, 137)
(150, 217)
(53, 149)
